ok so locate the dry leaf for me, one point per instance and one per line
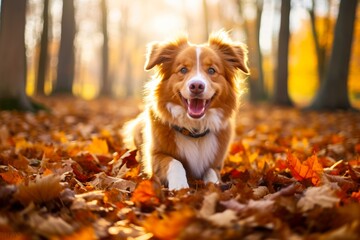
(209, 204)
(147, 192)
(322, 196)
(50, 226)
(223, 219)
(103, 181)
(98, 146)
(309, 169)
(42, 189)
(168, 226)
(12, 176)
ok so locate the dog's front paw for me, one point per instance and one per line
(211, 176)
(176, 176)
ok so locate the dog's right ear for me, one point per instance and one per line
(162, 53)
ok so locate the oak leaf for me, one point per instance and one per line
(323, 196)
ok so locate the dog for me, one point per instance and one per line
(190, 107)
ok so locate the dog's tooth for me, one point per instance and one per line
(188, 101)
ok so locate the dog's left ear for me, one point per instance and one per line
(159, 53)
(234, 53)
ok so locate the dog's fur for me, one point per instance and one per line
(190, 105)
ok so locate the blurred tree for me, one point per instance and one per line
(125, 54)
(281, 94)
(320, 39)
(206, 19)
(256, 79)
(66, 58)
(106, 81)
(333, 92)
(12, 55)
(44, 56)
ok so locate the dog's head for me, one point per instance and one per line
(197, 77)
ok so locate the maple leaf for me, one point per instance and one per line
(169, 226)
(148, 193)
(323, 196)
(42, 189)
(309, 169)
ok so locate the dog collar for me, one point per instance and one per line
(188, 133)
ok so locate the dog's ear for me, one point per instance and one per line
(234, 54)
(159, 53)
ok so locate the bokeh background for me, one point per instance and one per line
(111, 36)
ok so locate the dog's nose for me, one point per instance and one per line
(197, 87)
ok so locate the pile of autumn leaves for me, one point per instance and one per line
(289, 175)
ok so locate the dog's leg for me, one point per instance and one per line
(176, 176)
(211, 176)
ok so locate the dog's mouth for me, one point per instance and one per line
(196, 107)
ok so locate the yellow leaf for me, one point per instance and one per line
(98, 146)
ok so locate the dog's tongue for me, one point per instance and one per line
(196, 107)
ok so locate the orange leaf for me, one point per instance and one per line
(168, 226)
(83, 233)
(357, 148)
(309, 169)
(12, 176)
(236, 147)
(98, 146)
(356, 195)
(147, 192)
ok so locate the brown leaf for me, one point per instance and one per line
(322, 196)
(42, 189)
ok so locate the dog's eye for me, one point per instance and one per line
(211, 71)
(184, 70)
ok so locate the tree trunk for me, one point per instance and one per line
(66, 62)
(106, 83)
(12, 55)
(43, 58)
(333, 92)
(281, 94)
(206, 19)
(256, 79)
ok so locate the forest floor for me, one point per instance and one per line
(289, 174)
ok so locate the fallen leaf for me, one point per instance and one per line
(42, 189)
(309, 169)
(147, 192)
(208, 205)
(98, 146)
(12, 176)
(168, 226)
(322, 196)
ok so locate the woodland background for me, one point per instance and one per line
(298, 54)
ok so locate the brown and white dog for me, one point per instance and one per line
(190, 105)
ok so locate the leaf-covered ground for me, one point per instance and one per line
(289, 175)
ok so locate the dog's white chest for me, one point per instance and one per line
(199, 153)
